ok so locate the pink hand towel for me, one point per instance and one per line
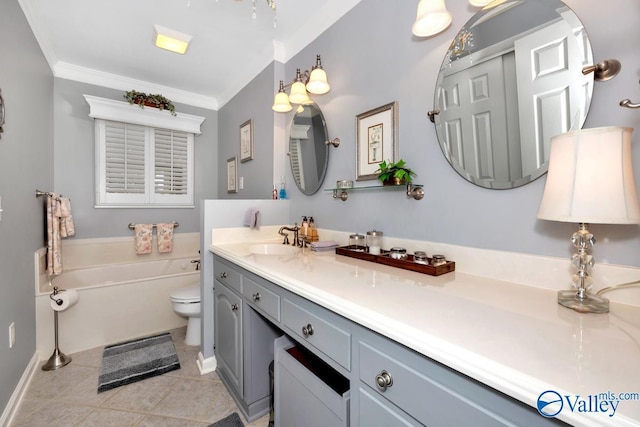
(67, 228)
(165, 237)
(143, 238)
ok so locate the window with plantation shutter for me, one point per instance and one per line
(144, 157)
(142, 166)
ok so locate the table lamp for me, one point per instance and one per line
(590, 180)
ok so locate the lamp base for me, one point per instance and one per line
(589, 304)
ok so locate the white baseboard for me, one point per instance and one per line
(16, 398)
(206, 365)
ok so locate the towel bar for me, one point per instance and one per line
(175, 225)
(45, 193)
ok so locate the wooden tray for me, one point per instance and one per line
(406, 264)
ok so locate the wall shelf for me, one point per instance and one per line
(411, 190)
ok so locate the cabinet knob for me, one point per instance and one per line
(234, 307)
(256, 297)
(223, 275)
(307, 330)
(384, 380)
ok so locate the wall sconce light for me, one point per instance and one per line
(432, 18)
(590, 180)
(314, 81)
(479, 3)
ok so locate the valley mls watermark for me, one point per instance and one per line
(551, 403)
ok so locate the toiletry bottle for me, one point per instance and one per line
(274, 193)
(304, 227)
(312, 231)
(283, 192)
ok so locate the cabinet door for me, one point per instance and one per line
(228, 334)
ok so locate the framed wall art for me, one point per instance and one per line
(232, 175)
(246, 141)
(377, 139)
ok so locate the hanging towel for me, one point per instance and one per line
(59, 225)
(165, 237)
(54, 247)
(67, 228)
(143, 238)
(252, 218)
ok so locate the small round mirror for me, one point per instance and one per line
(308, 150)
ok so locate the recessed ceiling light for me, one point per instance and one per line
(172, 40)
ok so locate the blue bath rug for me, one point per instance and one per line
(232, 420)
(134, 360)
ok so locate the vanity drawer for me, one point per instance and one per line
(435, 395)
(261, 298)
(323, 335)
(227, 275)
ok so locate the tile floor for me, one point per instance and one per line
(68, 396)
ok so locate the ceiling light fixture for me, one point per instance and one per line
(432, 18)
(314, 81)
(171, 40)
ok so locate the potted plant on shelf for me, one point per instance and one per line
(394, 173)
(156, 101)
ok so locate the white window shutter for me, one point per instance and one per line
(139, 166)
(172, 177)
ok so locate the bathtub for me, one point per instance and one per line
(120, 297)
(119, 274)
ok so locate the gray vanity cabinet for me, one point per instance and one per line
(228, 335)
(388, 384)
(243, 337)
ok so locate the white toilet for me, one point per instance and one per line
(186, 302)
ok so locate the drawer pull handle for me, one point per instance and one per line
(234, 307)
(307, 330)
(256, 297)
(384, 380)
(223, 275)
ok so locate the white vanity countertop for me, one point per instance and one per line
(514, 338)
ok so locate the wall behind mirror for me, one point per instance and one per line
(392, 65)
(511, 79)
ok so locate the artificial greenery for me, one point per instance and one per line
(157, 101)
(397, 172)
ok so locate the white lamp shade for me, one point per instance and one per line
(590, 178)
(432, 18)
(281, 103)
(318, 82)
(298, 93)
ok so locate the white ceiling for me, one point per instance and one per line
(110, 42)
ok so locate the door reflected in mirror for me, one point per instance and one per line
(511, 79)
(308, 150)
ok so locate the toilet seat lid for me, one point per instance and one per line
(188, 294)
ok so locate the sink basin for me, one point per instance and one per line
(273, 249)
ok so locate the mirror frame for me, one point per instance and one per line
(461, 55)
(315, 189)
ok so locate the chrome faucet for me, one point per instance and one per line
(295, 230)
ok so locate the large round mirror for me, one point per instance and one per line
(511, 79)
(308, 150)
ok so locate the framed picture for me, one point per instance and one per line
(377, 139)
(246, 141)
(232, 175)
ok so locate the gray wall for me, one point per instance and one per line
(252, 102)
(371, 59)
(74, 160)
(26, 151)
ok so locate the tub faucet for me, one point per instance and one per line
(197, 263)
(295, 230)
